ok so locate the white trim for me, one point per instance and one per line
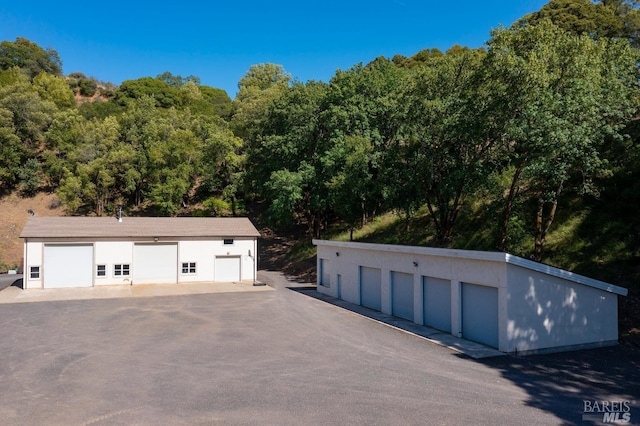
(39, 272)
(122, 270)
(188, 268)
(98, 276)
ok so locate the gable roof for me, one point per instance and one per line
(138, 227)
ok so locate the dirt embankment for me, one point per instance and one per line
(14, 211)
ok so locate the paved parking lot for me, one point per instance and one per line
(269, 357)
(7, 280)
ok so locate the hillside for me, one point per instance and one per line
(15, 211)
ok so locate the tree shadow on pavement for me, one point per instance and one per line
(560, 383)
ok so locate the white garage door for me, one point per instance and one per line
(155, 263)
(227, 269)
(370, 287)
(402, 295)
(437, 303)
(68, 265)
(480, 314)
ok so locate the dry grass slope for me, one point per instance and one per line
(14, 211)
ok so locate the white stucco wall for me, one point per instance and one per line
(546, 311)
(538, 307)
(110, 253)
(32, 257)
(204, 253)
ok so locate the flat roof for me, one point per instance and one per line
(501, 257)
(137, 227)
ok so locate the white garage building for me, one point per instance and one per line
(93, 251)
(500, 300)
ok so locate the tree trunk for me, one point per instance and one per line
(543, 225)
(432, 213)
(508, 208)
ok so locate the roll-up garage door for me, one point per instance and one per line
(370, 286)
(480, 314)
(325, 276)
(437, 303)
(68, 265)
(155, 263)
(227, 269)
(402, 295)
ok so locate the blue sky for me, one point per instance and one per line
(218, 41)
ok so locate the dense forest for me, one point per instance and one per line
(495, 146)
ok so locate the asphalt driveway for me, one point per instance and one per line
(271, 357)
(7, 280)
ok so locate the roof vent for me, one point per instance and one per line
(120, 213)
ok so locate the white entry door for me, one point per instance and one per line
(155, 263)
(68, 265)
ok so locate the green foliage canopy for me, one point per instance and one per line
(29, 57)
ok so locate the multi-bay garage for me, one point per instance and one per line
(502, 301)
(93, 251)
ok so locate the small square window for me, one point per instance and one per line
(34, 272)
(188, 268)
(228, 240)
(101, 270)
(121, 270)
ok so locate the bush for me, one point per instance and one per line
(88, 87)
(30, 176)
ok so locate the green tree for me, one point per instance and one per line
(173, 165)
(67, 129)
(288, 165)
(99, 167)
(362, 102)
(258, 88)
(29, 57)
(11, 151)
(565, 96)
(24, 118)
(178, 80)
(217, 100)
(55, 89)
(223, 162)
(142, 124)
(30, 113)
(605, 18)
(164, 95)
(30, 175)
(351, 184)
(447, 144)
